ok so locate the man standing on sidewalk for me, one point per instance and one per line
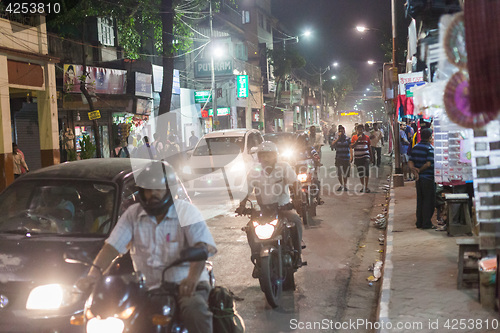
(361, 152)
(377, 141)
(421, 163)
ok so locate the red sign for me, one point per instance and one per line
(204, 113)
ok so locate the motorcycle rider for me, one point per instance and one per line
(156, 230)
(316, 139)
(306, 151)
(271, 180)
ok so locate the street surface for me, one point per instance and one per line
(332, 244)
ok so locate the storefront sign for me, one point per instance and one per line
(349, 114)
(255, 116)
(143, 85)
(242, 86)
(94, 115)
(221, 67)
(99, 81)
(409, 87)
(220, 112)
(202, 96)
(408, 78)
(143, 106)
(158, 80)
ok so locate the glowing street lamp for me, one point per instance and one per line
(361, 28)
(370, 62)
(334, 77)
(335, 64)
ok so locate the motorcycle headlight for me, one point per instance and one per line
(108, 325)
(187, 170)
(288, 153)
(51, 297)
(302, 177)
(264, 231)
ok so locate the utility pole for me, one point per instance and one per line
(320, 94)
(397, 159)
(214, 85)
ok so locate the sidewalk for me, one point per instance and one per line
(419, 288)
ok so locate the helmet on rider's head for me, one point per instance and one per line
(267, 147)
(156, 176)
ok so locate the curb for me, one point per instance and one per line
(385, 293)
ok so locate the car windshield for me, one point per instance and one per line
(57, 207)
(219, 146)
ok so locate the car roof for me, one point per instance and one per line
(229, 132)
(99, 169)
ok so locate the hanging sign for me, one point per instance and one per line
(242, 86)
(94, 115)
(202, 96)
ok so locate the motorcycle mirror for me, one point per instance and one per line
(76, 257)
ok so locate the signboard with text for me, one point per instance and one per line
(203, 68)
(143, 85)
(242, 86)
(202, 96)
(94, 115)
(408, 78)
(220, 112)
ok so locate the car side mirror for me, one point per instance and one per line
(253, 150)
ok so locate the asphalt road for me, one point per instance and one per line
(332, 243)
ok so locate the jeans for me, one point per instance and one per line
(377, 155)
(426, 202)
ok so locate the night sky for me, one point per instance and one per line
(334, 37)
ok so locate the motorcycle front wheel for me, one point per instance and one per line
(270, 280)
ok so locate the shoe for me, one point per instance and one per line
(256, 272)
(367, 190)
(441, 228)
(320, 202)
(345, 189)
(339, 188)
(361, 191)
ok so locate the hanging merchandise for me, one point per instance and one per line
(482, 33)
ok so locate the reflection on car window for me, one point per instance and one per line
(219, 146)
(254, 139)
(57, 207)
(130, 196)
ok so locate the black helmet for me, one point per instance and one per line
(303, 139)
(156, 176)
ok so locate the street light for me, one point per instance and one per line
(334, 77)
(361, 28)
(370, 62)
(335, 64)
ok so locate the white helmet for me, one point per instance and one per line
(267, 147)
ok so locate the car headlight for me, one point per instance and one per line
(302, 177)
(237, 167)
(108, 325)
(264, 231)
(288, 153)
(51, 297)
(187, 170)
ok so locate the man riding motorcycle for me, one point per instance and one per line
(316, 139)
(155, 230)
(306, 151)
(271, 180)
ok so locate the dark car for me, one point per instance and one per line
(285, 142)
(67, 209)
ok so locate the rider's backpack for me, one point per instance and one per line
(225, 317)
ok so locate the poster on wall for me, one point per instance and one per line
(99, 80)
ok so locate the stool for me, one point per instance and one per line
(468, 270)
(462, 226)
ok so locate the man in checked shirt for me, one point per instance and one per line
(155, 231)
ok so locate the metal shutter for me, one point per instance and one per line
(28, 135)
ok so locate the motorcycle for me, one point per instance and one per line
(273, 252)
(306, 196)
(122, 303)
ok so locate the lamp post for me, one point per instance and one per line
(213, 86)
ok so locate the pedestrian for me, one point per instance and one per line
(325, 133)
(120, 150)
(19, 162)
(361, 154)
(316, 139)
(354, 130)
(157, 143)
(146, 151)
(367, 130)
(342, 158)
(403, 151)
(421, 164)
(377, 141)
(193, 140)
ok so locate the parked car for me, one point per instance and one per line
(220, 161)
(66, 208)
